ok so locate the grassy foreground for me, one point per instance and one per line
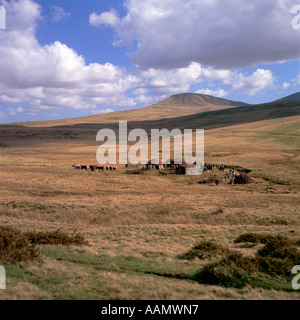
(138, 229)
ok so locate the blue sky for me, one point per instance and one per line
(69, 58)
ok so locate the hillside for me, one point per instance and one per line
(220, 118)
(181, 111)
(292, 97)
(140, 231)
(194, 99)
(239, 115)
(175, 106)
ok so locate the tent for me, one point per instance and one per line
(243, 179)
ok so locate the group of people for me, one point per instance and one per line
(231, 175)
(211, 166)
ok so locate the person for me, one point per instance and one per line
(217, 182)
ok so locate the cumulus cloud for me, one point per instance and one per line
(54, 76)
(162, 81)
(59, 13)
(217, 93)
(285, 85)
(221, 34)
(257, 81)
(174, 51)
(110, 18)
(21, 15)
(102, 111)
(13, 111)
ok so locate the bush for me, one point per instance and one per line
(231, 271)
(248, 237)
(204, 250)
(259, 238)
(276, 258)
(14, 246)
(55, 237)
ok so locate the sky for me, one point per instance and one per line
(66, 58)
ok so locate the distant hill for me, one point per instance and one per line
(187, 110)
(194, 99)
(291, 97)
(175, 106)
(86, 131)
(239, 115)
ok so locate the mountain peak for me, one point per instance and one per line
(195, 99)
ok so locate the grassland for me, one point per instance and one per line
(137, 226)
(172, 107)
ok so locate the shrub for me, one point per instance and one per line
(55, 237)
(231, 271)
(258, 238)
(204, 250)
(248, 237)
(14, 246)
(276, 258)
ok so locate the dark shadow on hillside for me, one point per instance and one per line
(206, 120)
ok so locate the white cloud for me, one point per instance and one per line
(217, 93)
(13, 111)
(102, 111)
(217, 33)
(257, 81)
(54, 76)
(110, 18)
(162, 81)
(285, 85)
(169, 81)
(59, 13)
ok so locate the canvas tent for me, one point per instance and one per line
(243, 179)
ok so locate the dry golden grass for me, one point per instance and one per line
(145, 221)
(169, 108)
